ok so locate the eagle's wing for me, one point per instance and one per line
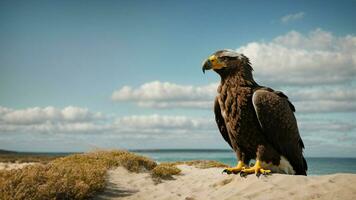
(221, 122)
(275, 115)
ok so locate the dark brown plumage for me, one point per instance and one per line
(257, 122)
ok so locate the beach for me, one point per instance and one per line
(118, 174)
(194, 184)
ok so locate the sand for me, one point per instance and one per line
(194, 184)
(9, 166)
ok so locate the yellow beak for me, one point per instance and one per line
(212, 63)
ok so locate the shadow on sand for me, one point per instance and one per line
(113, 191)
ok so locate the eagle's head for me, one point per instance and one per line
(226, 62)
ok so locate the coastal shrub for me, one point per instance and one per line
(77, 176)
(165, 171)
(23, 158)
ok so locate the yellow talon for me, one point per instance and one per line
(257, 169)
(240, 166)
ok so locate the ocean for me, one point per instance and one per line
(316, 165)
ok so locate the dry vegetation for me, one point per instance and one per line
(202, 164)
(13, 157)
(164, 171)
(80, 176)
(73, 177)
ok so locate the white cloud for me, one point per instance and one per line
(319, 67)
(158, 94)
(331, 98)
(72, 120)
(156, 121)
(292, 17)
(296, 59)
(321, 125)
(325, 126)
(177, 104)
(145, 130)
(323, 99)
(331, 93)
(50, 120)
(164, 91)
(56, 128)
(325, 106)
(37, 115)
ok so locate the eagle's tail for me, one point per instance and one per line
(303, 169)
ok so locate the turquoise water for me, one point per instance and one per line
(317, 166)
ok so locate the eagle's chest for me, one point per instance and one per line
(237, 110)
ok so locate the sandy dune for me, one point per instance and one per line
(204, 184)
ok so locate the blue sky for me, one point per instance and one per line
(76, 75)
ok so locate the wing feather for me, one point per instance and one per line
(221, 122)
(277, 120)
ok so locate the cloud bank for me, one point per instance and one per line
(306, 99)
(158, 94)
(156, 121)
(138, 131)
(50, 120)
(134, 124)
(37, 115)
(72, 120)
(317, 58)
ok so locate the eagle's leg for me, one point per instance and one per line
(257, 168)
(240, 165)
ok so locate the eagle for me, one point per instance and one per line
(256, 121)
